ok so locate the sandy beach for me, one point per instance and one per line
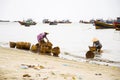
(18, 64)
(69, 28)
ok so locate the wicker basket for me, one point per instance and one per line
(12, 44)
(90, 54)
(34, 48)
(56, 51)
(92, 48)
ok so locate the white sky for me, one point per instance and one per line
(59, 9)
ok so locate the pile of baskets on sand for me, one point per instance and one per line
(41, 48)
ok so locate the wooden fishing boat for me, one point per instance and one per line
(27, 22)
(103, 25)
(46, 21)
(117, 24)
(53, 23)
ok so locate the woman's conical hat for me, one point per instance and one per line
(46, 32)
(94, 39)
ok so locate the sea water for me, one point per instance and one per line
(73, 39)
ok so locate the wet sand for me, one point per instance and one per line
(24, 65)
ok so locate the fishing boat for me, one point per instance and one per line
(117, 24)
(64, 21)
(27, 22)
(53, 23)
(45, 21)
(103, 25)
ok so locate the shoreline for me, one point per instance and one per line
(68, 56)
(53, 68)
(96, 60)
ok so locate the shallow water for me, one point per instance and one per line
(72, 39)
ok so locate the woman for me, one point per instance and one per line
(97, 44)
(41, 37)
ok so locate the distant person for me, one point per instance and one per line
(41, 37)
(97, 44)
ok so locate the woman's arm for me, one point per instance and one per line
(93, 43)
(47, 39)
